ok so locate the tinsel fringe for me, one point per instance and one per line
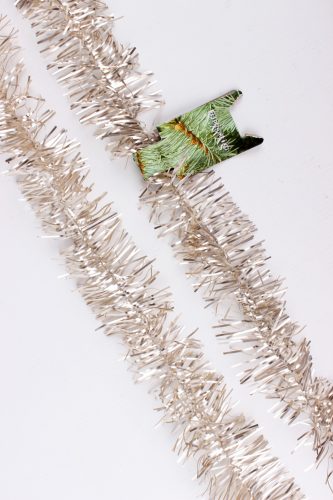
(212, 234)
(217, 241)
(118, 283)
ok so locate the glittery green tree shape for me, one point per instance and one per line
(196, 140)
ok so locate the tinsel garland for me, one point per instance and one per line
(118, 284)
(217, 242)
(211, 233)
(88, 60)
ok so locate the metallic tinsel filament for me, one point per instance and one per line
(118, 283)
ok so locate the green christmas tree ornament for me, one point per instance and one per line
(196, 140)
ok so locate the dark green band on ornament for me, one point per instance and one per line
(196, 140)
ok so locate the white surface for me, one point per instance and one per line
(73, 425)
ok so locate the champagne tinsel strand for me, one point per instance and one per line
(271, 331)
(88, 60)
(216, 241)
(118, 284)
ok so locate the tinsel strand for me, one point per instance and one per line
(88, 60)
(279, 364)
(118, 283)
(217, 241)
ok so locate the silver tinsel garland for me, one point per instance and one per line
(118, 284)
(210, 232)
(217, 242)
(88, 59)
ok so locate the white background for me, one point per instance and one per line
(73, 425)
